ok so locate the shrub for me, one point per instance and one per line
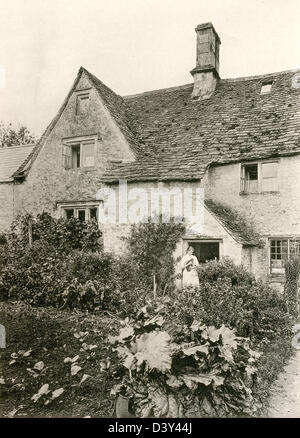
(291, 287)
(62, 258)
(224, 268)
(183, 370)
(230, 295)
(151, 246)
(61, 234)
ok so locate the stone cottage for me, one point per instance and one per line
(237, 141)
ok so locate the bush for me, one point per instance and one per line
(225, 268)
(229, 295)
(62, 234)
(61, 268)
(151, 246)
(291, 287)
(174, 370)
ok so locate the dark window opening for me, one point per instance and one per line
(205, 251)
(81, 215)
(69, 213)
(76, 156)
(250, 178)
(93, 213)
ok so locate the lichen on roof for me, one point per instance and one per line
(235, 223)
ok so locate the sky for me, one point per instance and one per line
(132, 46)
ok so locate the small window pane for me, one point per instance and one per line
(251, 178)
(76, 156)
(69, 213)
(93, 213)
(251, 172)
(81, 215)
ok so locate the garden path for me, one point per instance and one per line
(285, 393)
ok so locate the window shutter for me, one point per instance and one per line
(88, 154)
(269, 177)
(67, 156)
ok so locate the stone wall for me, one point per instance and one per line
(7, 204)
(48, 181)
(272, 214)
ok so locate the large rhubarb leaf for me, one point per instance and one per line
(154, 349)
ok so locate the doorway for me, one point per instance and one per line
(206, 250)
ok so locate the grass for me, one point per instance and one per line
(51, 336)
(275, 356)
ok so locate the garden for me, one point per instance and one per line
(92, 334)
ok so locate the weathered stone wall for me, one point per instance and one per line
(6, 205)
(209, 226)
(272, 214)
(48, 181)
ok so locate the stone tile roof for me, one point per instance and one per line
(117, 108)
(234, 223)
(11, 159)
(178, 138)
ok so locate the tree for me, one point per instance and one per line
(10, 136)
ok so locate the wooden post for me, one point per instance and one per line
(154, 286)
(30, 232)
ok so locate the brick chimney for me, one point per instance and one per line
(206, 72)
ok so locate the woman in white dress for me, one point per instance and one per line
(189, 265)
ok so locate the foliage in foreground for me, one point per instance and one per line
(292, 285)
(183, 370)
(151, 246)
(52, 366)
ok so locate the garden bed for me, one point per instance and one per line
(36, 335)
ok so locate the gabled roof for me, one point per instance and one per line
(11, 159)
(117, 108)
(112, 101)
(234, 223)
(180, 137)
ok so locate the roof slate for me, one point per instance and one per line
(178, 138)
(234, 223)
(11, 159)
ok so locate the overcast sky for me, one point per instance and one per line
(132, 46)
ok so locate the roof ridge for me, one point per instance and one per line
(238, 79)
(245, 78)
(159, 90)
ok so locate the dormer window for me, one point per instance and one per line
(266, 87)
(79, 153)
(82, 103)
